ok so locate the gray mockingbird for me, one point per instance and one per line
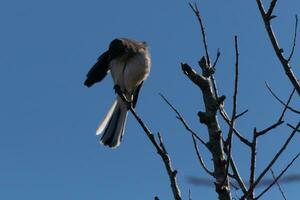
(129, 63)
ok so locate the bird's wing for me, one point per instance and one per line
(118, 47)
(99, 70)
(136, 94)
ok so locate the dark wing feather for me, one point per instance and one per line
(98, 71)
(136, 94)
(118, 47)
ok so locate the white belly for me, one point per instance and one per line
(130, 73)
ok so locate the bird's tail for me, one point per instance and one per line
(113, 125)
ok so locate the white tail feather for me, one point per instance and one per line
(106, 119)
(113, 125)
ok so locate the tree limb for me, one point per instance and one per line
(280, 101)
(267, 16)
(182, 120)
(279, 176)
(278, 185)
(161, 150)
(263, 173)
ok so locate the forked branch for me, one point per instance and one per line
(267, 16)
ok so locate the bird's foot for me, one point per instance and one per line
(119, 91)
(129, 105)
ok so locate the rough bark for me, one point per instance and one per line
(209, 118)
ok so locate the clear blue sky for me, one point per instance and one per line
(48, 146)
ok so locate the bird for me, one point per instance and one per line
(129, 63)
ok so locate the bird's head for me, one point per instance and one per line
(117, 48)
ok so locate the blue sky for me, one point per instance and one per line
(48, 146)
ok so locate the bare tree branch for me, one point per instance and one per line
(237, 176)
(278, 185)
(209, 118)
(291, 126)
(279, 121)
(278, 177)
(182, 120)
(268, 129)
(280, 101)
(234, 102)
(227, 120)
(294, 40)
(200, 158)
(194, 136)
(252, 163)
(213, 102)
(199, 80)
(222, 111)
(271, 8)
(235, 91)
(256, 134)
(241, 114)
(281, 150)
(197, 13)
(211, 69)
(267, 16)
(217, 58)
(159, 147)
(287, 105)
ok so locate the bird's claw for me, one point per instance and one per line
(119, 91)
(128, 104)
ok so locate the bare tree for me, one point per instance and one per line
(225, 172)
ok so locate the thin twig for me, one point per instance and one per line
(267, 16)
(279, 176)
(294, 40)
(234, 104)
(279, 121)
(280, 101)
(227, 120)
(271, 8)
(164, 156)
(268, 129)
(253, 162)
(161, 144)
(235, 91)
(197, 13)
(241, 114)
(278, 185)
(159, 147)
(194, 135)
(217, 58)
(294, 128)
(237, 176)
(263, 173)
(286, 105)
(200, 158)
(182, 120)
